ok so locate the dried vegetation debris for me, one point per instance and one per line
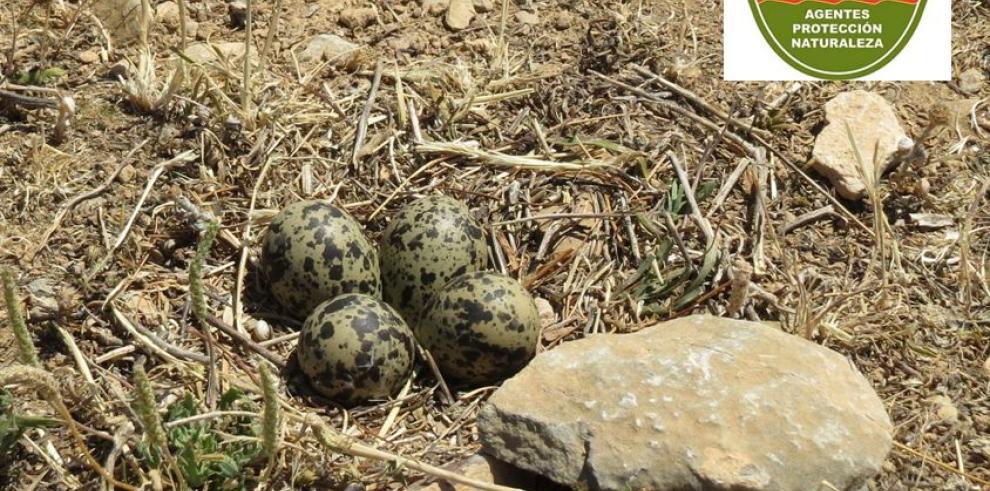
(566, 144)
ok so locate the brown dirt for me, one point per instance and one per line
(914, 328)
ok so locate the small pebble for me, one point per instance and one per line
(547, 315)
(525, 17)
(435, 7)
(357, 18)
(262, 331)
(126, 174)
(459, 14)
(89, 56)
(971, 81)
(944, 409)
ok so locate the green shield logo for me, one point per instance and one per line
(837, 39)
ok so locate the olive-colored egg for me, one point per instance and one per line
(428, 243)
(480, 328)
(314, 251)
(354, 348)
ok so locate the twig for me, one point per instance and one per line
(805, 219)
(362, 129)
(759, 212)
(672, 230)
(246, 341)
(691, 96)
(120, 437)
(566, 216)
(394, 412)
(723, 192)
(209, 415)
(270, 35)
(155, 344)
(77, 355)
(942, 465)
(436, 373)
(271, 420)
(700, 219)
(501, 159)
(182, 158)
(246, 89)
(246, 241)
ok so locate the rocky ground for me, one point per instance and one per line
(565, 125)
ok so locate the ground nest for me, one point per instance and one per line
(617, 177)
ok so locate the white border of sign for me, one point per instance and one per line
(748, 56)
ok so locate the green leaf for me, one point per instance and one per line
(705, 190)
(45, 76)
(12, 425)
(695, 287)
(230, 398)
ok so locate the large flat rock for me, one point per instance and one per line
(695, 403)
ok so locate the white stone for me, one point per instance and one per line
(435, 7)
(332, 48)
(695, 403)
(168, 13)
(356, 18)
(972, 81)
(121, 18)
(207, 52)
(459, 14)
(944, 409)
(525, 17)
(877, 133)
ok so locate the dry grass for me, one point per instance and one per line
(619, 197)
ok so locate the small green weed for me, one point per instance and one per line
(653, 282)
(212, 454)
(40, 76)
(12, 426)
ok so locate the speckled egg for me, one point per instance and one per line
(428, 243)
(354, 348)
(480, 328)
(314, 251)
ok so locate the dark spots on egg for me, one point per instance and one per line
(331, 253)
(480, 328)
(427, 277)
(474, 312)
(407, 295)
(354, 348)
(326, 331)
(312, 252)
(354, 250)
(424, 247)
